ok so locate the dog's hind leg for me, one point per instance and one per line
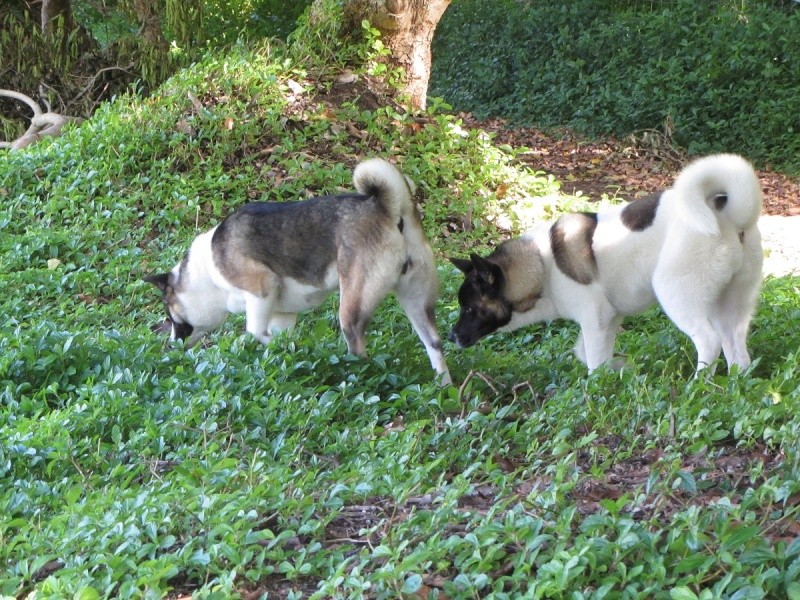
(734, 345)
(418, 304)
(731, 321)
(688, 300)
(736, 305)
(706, 341)
(359, 297)
(698, 327)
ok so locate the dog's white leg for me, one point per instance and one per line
(707, 354)
(702, 333)
(281, 322)
(258, 312)
(737, 303)
(419, 309)
(707, 343)
(688, 300)
(580, 348)
(734, 347)
(596, 341)
(732, 323)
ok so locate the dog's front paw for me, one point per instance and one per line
(444, 379)
(264, 338)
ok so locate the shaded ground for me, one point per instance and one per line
(627, 169)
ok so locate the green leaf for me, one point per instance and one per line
(412, 584)
(686, 481)
(694, 563)
(381, 550)
(682, 593)
(748, 592)
(87, 593)
(739, 537)
(793, 590)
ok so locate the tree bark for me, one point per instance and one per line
(407, 28)
(149, 15)
(52, 10)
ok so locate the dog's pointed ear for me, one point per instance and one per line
(463, 265)
(160, 280)
(488, 272)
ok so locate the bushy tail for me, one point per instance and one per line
(721, 186)
(382, 180)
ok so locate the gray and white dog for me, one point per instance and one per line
(272, 260)
(694, 248)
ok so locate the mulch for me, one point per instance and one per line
(629, 169)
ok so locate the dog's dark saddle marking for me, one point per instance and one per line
(280, 234)
(571, 240)
(640, 214)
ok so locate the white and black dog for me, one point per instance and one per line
(694, 248)
(272, 260)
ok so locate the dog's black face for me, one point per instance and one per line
(177, 326)
(483, 308)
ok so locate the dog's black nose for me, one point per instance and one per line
(452, 337)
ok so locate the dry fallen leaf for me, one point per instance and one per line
(294, 87)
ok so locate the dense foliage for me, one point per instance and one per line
(104, 54)
(130, 468)
(712, 76)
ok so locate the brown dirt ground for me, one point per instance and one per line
(628, 169)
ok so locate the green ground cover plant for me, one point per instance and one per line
(132, 468)
(711, 76)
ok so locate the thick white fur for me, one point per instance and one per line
(703, 266)
(376, 172)
(718, 174)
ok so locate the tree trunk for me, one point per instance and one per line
(52, 10)
(149, 15)
(407, 28)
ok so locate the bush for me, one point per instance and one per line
(700, 71)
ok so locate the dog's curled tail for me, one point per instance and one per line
(719, 186)
(382, 180)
